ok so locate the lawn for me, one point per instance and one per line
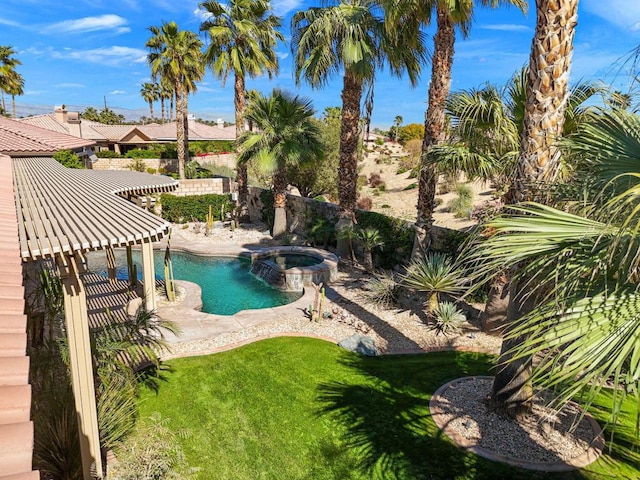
(299, 408)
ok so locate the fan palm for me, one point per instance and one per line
(14, 85)
(370, 238)
(285, 135)
(579, 272)
(350, 37)
(449, 16)
(150, 93)
(175, 55)
(8, 64)
(242, 39)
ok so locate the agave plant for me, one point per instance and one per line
(436, 274)
(448, 318)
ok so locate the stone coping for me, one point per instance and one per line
(586, 458)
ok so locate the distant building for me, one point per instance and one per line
(122, 138)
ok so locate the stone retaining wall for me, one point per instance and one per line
(204, 186)
(168, 164)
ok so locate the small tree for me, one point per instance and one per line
(370, 238)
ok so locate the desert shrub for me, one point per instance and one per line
(212, 147)
(462, 204)
(193, 169)
(412, 131)
(151, 170)
(364, 203)
(411, 186)
(362, 181)
(448, 184)
(382, 187)
(386, 205)
(396, 234)
(143, 153)
(439, 201)
(487, 210)
(379, 141)
(137, 165)
(382, 289)
(414, 173)
(107, 154)
(448, 318)
(375, 180)
(182, 209)
(68, 159)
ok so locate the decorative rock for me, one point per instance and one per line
(360, 344)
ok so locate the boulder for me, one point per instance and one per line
(360, 344)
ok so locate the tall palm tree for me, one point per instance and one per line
(14, 85)
(449, 16)
(176, 56)
(285, 135)
(150, 92)
(351, 37)
(166, 93)
(242, 39)
(579, 264)
(8, 64)
(539, 163)
(397, 122)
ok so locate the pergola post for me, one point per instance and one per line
(111, 264)
(148, 275)
(77, 321)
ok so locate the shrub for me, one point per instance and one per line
(379, 141)
(143, 153)
(382, 187)
(362, 181)
(267, 212)
(382, 290)
(375, 180)
(462, 204)
(151, 170)
(181, 209)
(68, 159)
(107, 154)
(364, 203)
(411, 186)
(219, 170)
(386, 205)
(447, 318)
(193, 169)
(137, 165)
(487, 210)
(395, 233)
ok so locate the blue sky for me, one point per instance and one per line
(80, 52)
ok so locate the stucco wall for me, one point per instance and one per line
(170, 165)
(203, 186)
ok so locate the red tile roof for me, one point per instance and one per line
(19, 138)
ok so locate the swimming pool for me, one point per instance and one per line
(227, 283)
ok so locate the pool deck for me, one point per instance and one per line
(198, 325)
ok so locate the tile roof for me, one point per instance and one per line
(197, 131)
(50, 122)
(20, 138)
(118, 133)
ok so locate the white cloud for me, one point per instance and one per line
(117, 92)
(282, 55)
(505, 27)
(108, 56)
(34, 92)
(10, 23)
(201, 14)
(623, 13)
(113, 23)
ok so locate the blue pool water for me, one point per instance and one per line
(227, 284)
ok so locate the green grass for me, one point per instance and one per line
(298, 408)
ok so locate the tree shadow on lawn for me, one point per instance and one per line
(386, 419)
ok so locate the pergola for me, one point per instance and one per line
(64, 213)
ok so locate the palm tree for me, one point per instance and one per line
(8, 64)
(14, 85)
(351, 37)
(150, 92)
(166, 93)
(370, 238)
(242, 39)
(175, 55)
(397, 122)
(286, 134)
(449, 16)
(579, 269)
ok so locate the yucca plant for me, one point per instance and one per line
(448, 318)
(436, 274)
(369, 238)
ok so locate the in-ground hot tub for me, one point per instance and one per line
(293, 268)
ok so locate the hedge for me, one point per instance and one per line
(194, 207)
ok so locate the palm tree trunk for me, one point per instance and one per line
(547, 96)
(162, 108)
(185, 118)
(242, 177)
(13, 105)
(279, 203)
(539, 162)
(151, 111)
(4, 107)
(348, 166)
(434, 127)
(180, 131)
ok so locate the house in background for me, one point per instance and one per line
(122, 138)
